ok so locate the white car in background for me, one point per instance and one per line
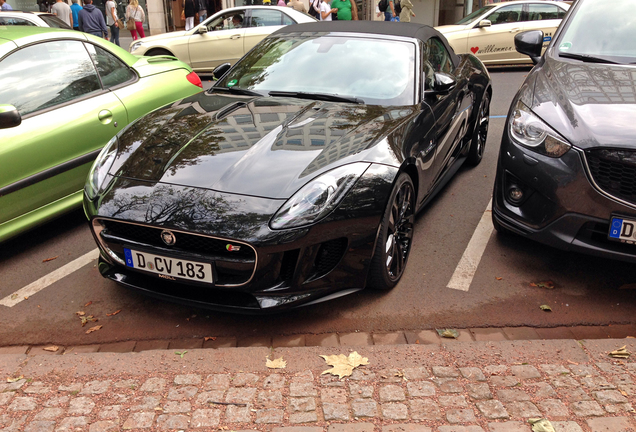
(222, 38)
(489, 32)
(39, 19)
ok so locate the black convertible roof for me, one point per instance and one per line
(410, 30)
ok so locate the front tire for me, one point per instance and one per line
(396, 236)
(478, 142)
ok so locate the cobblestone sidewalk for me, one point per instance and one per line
(466, 387)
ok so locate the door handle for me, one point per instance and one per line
(515, 30)
(105, 116)
(235, 36)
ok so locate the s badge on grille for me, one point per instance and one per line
(232, 248)
(168, 238)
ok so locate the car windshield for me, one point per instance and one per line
(346, 66)
(599, 31)
(473, 16)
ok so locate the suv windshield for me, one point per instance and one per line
(346, 66)
(602, 31)
(473, 16)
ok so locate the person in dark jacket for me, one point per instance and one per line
(91, 20)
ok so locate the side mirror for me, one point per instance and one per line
(484, 23)
(9, 117)
(202, 29)
(530, 43)
(220, 70)
(442, 84)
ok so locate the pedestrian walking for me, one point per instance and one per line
(407, 11)
(75, 8)
(281, 3)
(112, 21)
(92, 21)
(326, 10)
(314, 8)
(203, 10)
(347, 9)
(136, 13)
(5, 6)
(297, 5)
(387, 7)
(189, 11)
(63, 11)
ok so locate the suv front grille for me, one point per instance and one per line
(614, 171)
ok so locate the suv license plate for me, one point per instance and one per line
(623, 230)
(169, 268)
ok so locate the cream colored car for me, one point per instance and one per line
(489, 31)
(222, 38)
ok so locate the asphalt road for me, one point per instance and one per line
(588, 290)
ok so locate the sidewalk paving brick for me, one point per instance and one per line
(451, 387)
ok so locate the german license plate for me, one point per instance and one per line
(623, 230)
(169, 268)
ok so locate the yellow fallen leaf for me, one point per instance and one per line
(92, 329)
(342, 365)
(279, 363)
(545, 308)
(15, 379)
(88, 304)
(207, 338)
(80, 313)
(51, 348)
(114, 313)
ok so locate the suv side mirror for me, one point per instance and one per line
(530, 43)
(220, 70)
(484, 23)
(9, 117)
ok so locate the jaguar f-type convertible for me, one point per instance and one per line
(296, 177)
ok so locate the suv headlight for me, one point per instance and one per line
(318, 198)
(530, 131)
(96, 182)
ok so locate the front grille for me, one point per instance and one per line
(233, 267)
(200, 245)
(614, 171)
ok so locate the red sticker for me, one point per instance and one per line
(474, 50)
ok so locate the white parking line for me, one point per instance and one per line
(465, 270)
(37, 286)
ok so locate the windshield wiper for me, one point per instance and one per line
(236, 90)
(585, 58)
(318, 96)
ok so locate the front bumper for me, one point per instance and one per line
(561, 207)
(274, 270)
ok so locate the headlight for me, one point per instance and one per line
(530, 131)
(135, 46)
(96, 181)
(318, 198)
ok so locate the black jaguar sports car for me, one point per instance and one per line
(296, 177)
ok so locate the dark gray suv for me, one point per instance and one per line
(566, 174)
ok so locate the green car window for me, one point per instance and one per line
(44, 75)
(112, 71)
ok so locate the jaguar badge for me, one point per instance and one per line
(168, 237)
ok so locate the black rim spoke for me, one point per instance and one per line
(400, 231)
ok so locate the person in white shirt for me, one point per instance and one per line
(326, 10)
(111, 21)
(63, 12)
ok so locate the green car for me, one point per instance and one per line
(63, 96)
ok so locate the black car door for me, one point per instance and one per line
(450, 108)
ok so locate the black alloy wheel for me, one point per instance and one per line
(396, 236)
(478, 142)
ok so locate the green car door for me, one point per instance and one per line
(67, 117)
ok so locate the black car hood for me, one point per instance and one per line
(590, 104)
(259, 146)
